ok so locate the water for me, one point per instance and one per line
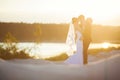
(44, 50)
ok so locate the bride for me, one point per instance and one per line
(75, 37)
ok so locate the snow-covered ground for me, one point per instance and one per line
(104, 66)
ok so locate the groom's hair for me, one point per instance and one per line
(89, 20)
(81, 17)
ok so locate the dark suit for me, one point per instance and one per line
(86, 41)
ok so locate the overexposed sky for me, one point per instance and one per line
(105, 12)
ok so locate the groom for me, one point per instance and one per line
(86, 31)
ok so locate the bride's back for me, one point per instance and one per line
(78, 35)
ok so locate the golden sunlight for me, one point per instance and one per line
(105, 45)
(102, 11)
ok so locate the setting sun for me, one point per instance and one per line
(105, 45)
(59, 11)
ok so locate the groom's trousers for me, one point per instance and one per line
(85, 50)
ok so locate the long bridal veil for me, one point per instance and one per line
(70, 40)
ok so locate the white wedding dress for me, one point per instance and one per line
(76, 58)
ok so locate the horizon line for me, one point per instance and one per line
(22, 22)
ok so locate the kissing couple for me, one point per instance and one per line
(79, 34)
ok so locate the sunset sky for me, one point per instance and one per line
(106, 12)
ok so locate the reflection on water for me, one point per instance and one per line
(50, 49)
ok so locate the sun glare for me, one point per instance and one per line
(105, 45)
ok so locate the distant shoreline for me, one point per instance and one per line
(55, 33)
(113, 42)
